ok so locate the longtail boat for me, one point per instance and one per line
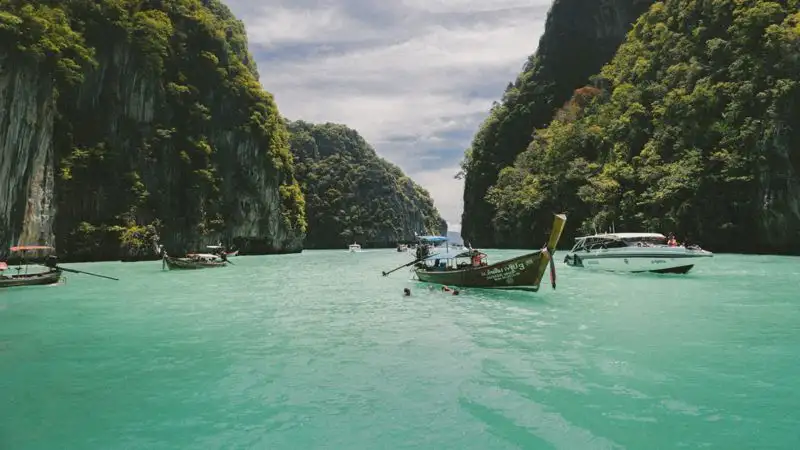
(51, 276)
(193, 261)
(468, 268)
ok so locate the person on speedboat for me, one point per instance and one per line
(671, 241)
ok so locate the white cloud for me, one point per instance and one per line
(455, 6)
(448, 190)
(414, 77)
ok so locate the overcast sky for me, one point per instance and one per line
(414, 77)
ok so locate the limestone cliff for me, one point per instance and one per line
(580, 37)
(27, 113)
(354, 195)
(690, 129)
(124, 122)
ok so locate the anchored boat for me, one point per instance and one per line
(634, 252)
(469, 268)
(354, 248)
(51, 276)
(194, 261)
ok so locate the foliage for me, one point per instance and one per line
(354, 195)
(694, 134)
(580, 36)
(43, 35)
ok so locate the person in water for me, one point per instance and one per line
(447, 289)
(406, 292)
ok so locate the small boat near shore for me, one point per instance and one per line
(193, 261)
(634, 252)
(354, 248)
(469, 268)
(52, 275)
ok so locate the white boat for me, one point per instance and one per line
(219, 248)
(633, 252)
(354, 248)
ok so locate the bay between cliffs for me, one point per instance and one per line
(317, 350)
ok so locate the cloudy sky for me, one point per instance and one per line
(414, 77)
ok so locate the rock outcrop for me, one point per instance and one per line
(580, 37)
(354, 195)
(123, 126)
(690, 129)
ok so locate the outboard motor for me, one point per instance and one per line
(51, 262)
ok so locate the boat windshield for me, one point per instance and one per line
(646, 241)
(613, 241)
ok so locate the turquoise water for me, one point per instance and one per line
(317, 350)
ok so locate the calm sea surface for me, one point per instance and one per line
(318, 350)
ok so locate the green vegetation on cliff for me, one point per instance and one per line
(354, 195)
(580, 37)
(692, 128)
(161, 123)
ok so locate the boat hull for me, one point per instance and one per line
(679, 262)
(37, 279)
(189, 264)
(520, 273)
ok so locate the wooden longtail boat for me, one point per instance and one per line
(192, 261)
(467, 268)
(51, 276)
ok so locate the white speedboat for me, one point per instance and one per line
(354, 248)
(633, 252)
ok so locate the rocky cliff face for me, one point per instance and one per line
(353, 195)
(580, 36)
(154, 128)
(26, 155)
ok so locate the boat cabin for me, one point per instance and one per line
(203, 257)
(453, 260)
(428, 244)
(619, 240)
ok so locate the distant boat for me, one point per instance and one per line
(219, 248)
(402, 248)
(468, 268)
(51, 276)
(354, 248)
(193, 261)
(633, 252)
